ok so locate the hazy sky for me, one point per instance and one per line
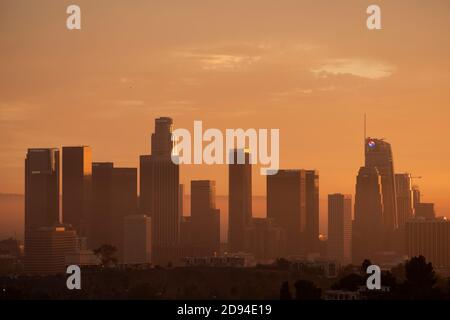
(309, 68)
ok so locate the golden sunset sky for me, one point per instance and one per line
(310, 68)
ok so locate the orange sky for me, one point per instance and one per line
(309, 68)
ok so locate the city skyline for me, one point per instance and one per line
(303, 63)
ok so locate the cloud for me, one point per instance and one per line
(223, 61)
(356, 67)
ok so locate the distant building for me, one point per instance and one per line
(328, 267)
(239, 198)
(312, 211)
(367, 231)
(239, 260)
(205, 218)
(76, 187)
(340, 228)
(378, 154)
(265, 240)
(137, 239)
(47, 249)
(431, 239)
(286, 206)
(123, 203)
(101, 212)
(145, 185)
(405, 205)
(41, 190)
(82, 258)
(425, 210)
(416, 196)
(165, 184)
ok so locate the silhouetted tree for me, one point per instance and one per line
(307, 290)
(366, 263)
(350, 282)
(106, 254)
(420, 279)
(285, 293)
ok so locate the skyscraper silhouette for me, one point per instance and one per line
(312, 211)
(165, 176)
(368, 231)
(405, 206)
(239, 198)
(99, 234)
(378, 154)
(205, 218)
(145, 184)
(123, 203)
(286, 205)
(339, 244)
(137, 239)
(41, 190)
(76, 187)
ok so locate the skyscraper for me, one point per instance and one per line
(239, 198)
(205, 218)
(76, 187)
(145, 184)
(339, 227)
(405, 207)
(312, 211)
(137, 239)
(41, 190)
(416, 196)
(123, 203)
(99, 234)
(378, 154)
(165, 176)
(368, 231)
(286, 205)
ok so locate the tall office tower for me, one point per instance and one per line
(425, 210)
(181, 200)
(340, 227)
(102, 173)
(145, 184)
(137, 239)
(265, 240)
(48, 247)
(312, 211)
(416, 196)
(123, 203)
(41, 190)
(430, 238)
(165, 175)
(368, 231)
(239, 198)
(76, 187)
(379, 155)
(405, 206)
(205, 218)
(186, 237)
(286, 205)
